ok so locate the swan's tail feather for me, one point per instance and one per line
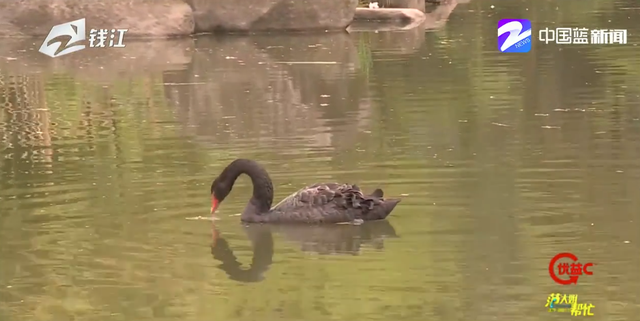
(377, 193)
(389, 205)
(381, 211)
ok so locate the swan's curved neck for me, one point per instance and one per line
(262, 186)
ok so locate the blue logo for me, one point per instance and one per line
(553, 304)
(514, 35)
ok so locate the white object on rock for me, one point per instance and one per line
(373, 5)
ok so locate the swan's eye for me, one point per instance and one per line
(216, 187)
(220, 191)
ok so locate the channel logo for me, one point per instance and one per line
(514, 35)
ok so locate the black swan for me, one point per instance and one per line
(318, 203)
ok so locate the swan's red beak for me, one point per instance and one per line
(214, 204)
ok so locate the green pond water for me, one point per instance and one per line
(502, 162)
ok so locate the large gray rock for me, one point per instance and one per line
(151, 18)
(164, 18)
(409, 4)
(264, 15)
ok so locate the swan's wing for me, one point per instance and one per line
(331, 203)
(318, 195)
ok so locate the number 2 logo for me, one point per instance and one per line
(514, 29)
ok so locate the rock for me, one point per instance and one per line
(399, 17)
(438, 17)
(149, 18)
(266, 15)
(433, 20)
(409, 4)
(446, 2)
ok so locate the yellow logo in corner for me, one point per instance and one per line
(564, 303)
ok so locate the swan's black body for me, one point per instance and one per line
(318, 203)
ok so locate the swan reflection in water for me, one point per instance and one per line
(321, 239)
